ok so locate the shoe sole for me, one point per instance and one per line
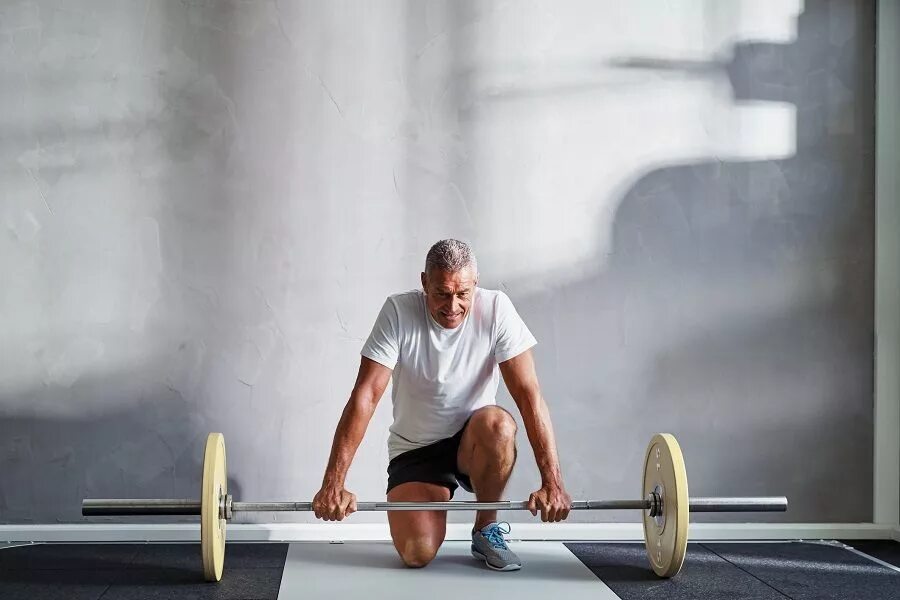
(480, 556)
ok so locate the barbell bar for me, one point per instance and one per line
(666, 506)
(115, 507)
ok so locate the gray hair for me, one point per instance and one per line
(451, 256)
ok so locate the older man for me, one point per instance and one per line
(444, 345)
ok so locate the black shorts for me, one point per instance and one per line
(434, 463)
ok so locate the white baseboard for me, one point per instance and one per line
(324, 532)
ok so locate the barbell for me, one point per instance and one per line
(666, 506)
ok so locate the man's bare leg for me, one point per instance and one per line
(487, 453)
(417, 535)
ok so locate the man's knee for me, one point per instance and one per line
(417, 553)
(495, 425)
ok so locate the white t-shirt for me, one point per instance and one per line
(442, 375)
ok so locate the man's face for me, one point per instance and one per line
(449, 295)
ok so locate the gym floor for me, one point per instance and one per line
(262, 571)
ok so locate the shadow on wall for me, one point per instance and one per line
(735, 307)
(152, 449)
(93, 409)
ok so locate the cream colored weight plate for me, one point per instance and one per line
(666, 535)
(215, 487)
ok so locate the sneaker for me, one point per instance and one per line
(488, 545)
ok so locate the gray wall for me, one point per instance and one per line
(887, 270)
(203, 205)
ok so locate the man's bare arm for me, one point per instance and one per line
(521, 379)
(333, 502)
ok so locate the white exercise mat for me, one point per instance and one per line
(373, 570)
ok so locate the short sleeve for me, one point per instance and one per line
(383, 345)
(513, 336)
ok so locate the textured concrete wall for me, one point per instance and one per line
(204, 204)
(887, 269)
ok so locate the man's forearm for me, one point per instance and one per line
(347, 437)
(540, 434)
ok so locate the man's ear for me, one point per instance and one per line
(424, 280)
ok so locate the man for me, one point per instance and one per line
(444, 345)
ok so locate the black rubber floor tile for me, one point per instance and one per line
(806, 571)
(624, 568)
(21, 591)
(154, 571)
(56, 583)
(255, 556)
(236, 584)
(67, 556)
(159, 556)
(886, 550)
(237, 556)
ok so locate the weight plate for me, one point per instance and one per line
(666, 535)
(212, 526)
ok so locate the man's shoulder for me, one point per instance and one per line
(406, 296)
(490, 305)
(490, 296)
(493, 301)
(405, 301)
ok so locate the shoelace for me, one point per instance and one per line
(494, 535)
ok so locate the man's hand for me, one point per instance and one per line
(553, 501)
(333, 503)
